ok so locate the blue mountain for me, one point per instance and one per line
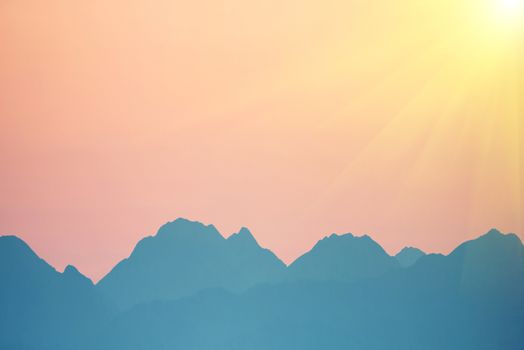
(489, 267)
(440, 302)
(346, 293)
(342, 258)
(408, 256)
(185, 257)
(42, 308)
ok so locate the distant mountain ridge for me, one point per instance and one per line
(185, 257)
(189, 287)
(492, 262)
(423, 306)
(39, 303)
(408, 256)
(343, 258)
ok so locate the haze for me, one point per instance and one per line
(402, 120)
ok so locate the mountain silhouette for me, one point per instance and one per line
(313, 315)
(493, 262)
(489, 264)
(419, 307)
(41, 307)
(74, 277)
(189, 288)
(185, 257)
(408, 256)
(342, 258)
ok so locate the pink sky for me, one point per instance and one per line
(296, 119)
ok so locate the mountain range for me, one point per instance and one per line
(188, 287)
(185, 257)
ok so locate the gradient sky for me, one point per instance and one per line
(399, 119)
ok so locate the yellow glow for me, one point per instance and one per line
(510, 6)
(511, 11)
(402, 116)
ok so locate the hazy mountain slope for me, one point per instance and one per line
(471, 299)
(421, 307)
(342, 258)
(408, 256)
(42, 308)
(185, 257)
(491, 263)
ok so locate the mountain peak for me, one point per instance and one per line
(72, 273)
(71, 270)
(408, 249)
(182, 226)
(175, 235)
(408, 256)
(15, 251)
(185, 257)
(496, 235)
(244, 235)
(494, 232)
(343, 257)
(13, 242)
(337, 236)
(348, 239)
(492, 241)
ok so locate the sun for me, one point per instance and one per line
(510, 10)
(496, 15)
(510, 6)
(502, 18)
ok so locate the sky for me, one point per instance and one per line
(401, 119)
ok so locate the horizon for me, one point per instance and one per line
(401, 119)
(141, 140)
(286, 263)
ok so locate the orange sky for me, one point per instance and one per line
(399, 119)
